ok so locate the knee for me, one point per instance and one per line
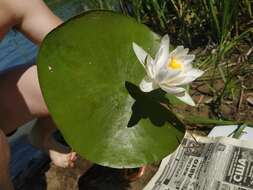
(21, 87)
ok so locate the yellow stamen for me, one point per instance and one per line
(174, 64)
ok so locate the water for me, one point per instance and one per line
(16, 50)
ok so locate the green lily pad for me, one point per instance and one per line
(89, 76)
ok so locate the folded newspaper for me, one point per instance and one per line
(217, 162)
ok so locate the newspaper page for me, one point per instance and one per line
(206, 163)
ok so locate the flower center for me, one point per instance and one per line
(174, 64)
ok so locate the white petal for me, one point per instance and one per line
(191, 75)
(187, 77)
(186, 98)
(147, 85)
(150, 67)
(165, 40)
(185, 51)
(188, 59)
(140, 53)
(165, 75)
(178, 51)
(171, 90)
(163, 53)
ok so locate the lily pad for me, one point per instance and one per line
(89, 76)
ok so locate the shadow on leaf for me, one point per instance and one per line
(152, 105)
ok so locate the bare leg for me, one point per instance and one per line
(21, 101)
(5, 179)
(41, 137)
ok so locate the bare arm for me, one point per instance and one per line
(6, 18)
(37, 20)
(31, 17)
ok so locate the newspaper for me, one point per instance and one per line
(206, 163)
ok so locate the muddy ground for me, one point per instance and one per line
(96, 178)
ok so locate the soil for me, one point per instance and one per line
(96, 178)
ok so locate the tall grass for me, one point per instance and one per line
(223, 15)
(219, 27)
(220, 30)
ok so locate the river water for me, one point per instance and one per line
(16, 50)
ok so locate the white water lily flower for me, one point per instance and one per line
(168, 71)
